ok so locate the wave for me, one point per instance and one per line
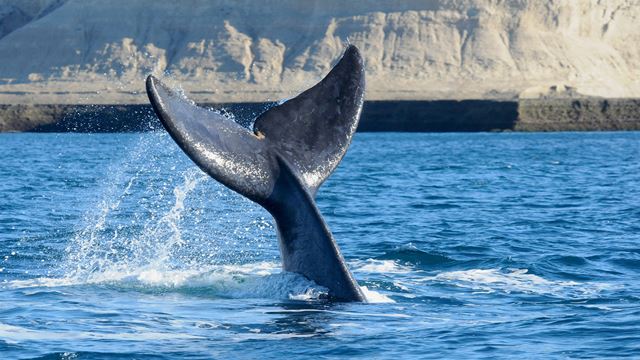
(516, 280)
(12, 334)
(410, 254)
(379, 266)
(627, 263)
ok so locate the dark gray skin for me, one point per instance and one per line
(293, 149)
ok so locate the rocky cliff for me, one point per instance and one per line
(96, 51)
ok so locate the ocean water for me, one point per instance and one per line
(505, 245)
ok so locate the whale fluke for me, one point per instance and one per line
(313, 130)
(293, 149)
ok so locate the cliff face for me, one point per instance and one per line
(95, 51)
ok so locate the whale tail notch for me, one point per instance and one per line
(310, 132)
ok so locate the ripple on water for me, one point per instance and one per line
(486, 245)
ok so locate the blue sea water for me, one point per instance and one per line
(506, 245)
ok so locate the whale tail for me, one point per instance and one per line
(310, 132)
(292, 150)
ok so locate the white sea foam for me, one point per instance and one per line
(255, 280)
(374, 297)
(514, 280)
(379, 266)
(15, 334)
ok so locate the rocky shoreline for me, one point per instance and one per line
(530, 65)
(569, 114)
(587, 114)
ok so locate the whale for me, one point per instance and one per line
(281, 162)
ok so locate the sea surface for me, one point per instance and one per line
(485, 245)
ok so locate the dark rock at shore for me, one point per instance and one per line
(565, 114)
(586, 114)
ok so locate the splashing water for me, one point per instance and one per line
(152, 229)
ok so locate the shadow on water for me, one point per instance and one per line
(302, 318)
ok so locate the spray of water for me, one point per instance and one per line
(159, 222)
